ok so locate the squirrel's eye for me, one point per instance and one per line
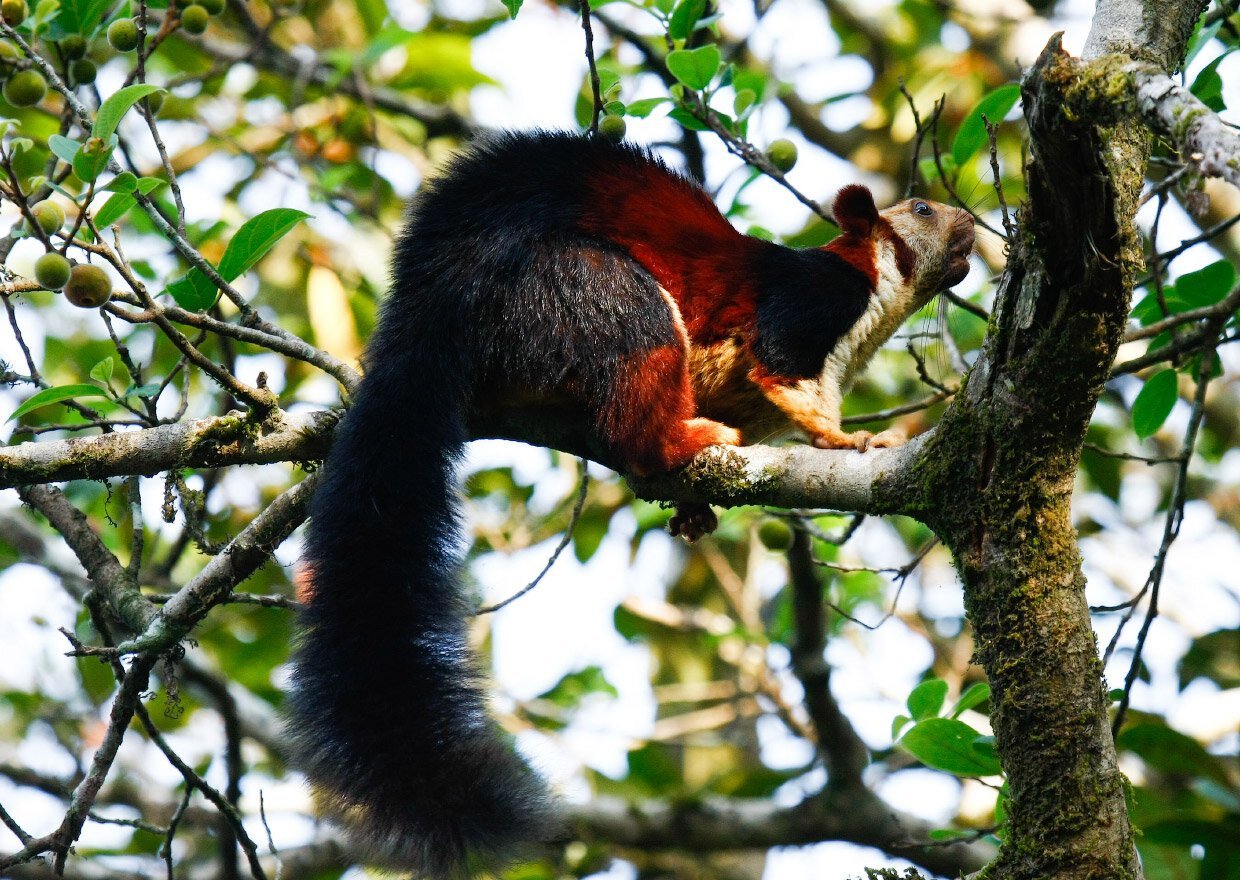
(923, 209)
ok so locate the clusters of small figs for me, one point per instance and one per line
(24, 85)
(85, 285)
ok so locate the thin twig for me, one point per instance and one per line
(165, 850)
(914, 170)
(972, 308)
(582, 487)
(1128, 456)
(901, 410)
(595, 85)
(1171, 530)
(12, 825)
(992, 130)
(900, 576)
(1206, 235)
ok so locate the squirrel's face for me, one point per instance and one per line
(940, 238)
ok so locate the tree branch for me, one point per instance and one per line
(1197, 133)
(112, 581)
(878, 481)
(842, 750)
(242, 556)
(712, 825)
(200, 443)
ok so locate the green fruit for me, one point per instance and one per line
(88, 287)
(73, 47)
(194, 18)
(52, 271)
(49, 215)
(83, 71)
(14, 12)
(783, 154)
(100, 51)
(154, 102)
(612, 128)
(214, 7)
(775, 534)
(8, 52)
(25, 88)
(123, 34)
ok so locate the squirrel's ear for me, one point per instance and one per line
(854, 210)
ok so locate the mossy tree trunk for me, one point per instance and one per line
(996, 480)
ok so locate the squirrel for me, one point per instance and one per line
(551, 267)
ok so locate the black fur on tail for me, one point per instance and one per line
(387, 714)
(496, 293)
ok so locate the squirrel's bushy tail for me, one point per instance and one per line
(387, 714)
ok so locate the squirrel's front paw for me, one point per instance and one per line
(858, 440)
(889, 438)
(861, 440)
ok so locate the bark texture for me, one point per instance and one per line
(999, 470)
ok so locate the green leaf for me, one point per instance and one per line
(1201, 38)
(1154, 403)
(1208, 86)
(688, 120)
(116, 207)
(81, 16)
(384, 41)
(1171, 751)
(971, 135)
(608, 83)
(90, 161)
(57, 395)
(684, 17)
(102, 371)
(1207, 285)
(976, 694)
(117, 105)
(513, 7)
(44, 12)
(745, 101)
(927, 699)
(256, 236)
(193, 291)
(147, 185)
(1213, 656)
(148, 390)
(897, 724)
(63, 147)
(125, 182)
(948, 744)
(1149, 310)
(36, 182)
(695, 67)
(643, 107)
(576, 686)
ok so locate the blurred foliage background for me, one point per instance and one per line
(285, 138)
